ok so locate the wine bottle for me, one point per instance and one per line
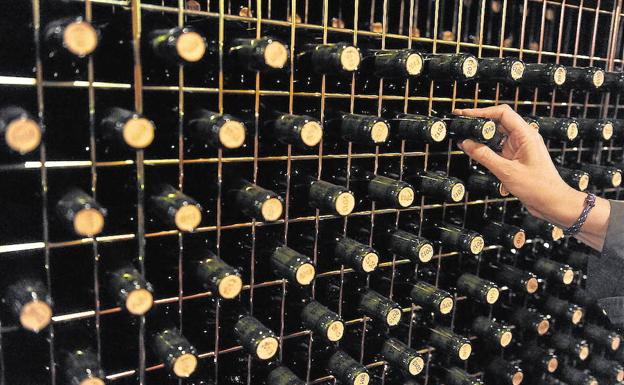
(571, 345)
(575, 376)
(216, 130)
(175, 208)
(431, 298)
(463, 127)
(507, 235)
(543, 75)
(507, 70)
(578, 179)
(322, 321)
(563, 129)
(516, 279)
(254, 337)
(339, 58)
(177, 45)
(169, 345)
(397, 354)
(584, 78)
(128, 127)
(484, 183)
(477, 288)
(437, 185)
(457, 376)
(358, 128)
(130, 289)
(81, 213)
(29, 302)
(444, 67)
(79, 362)
(597, 129)
(215, 275)
(297, 268)
(452, 236)
(302, 131)
(539, 359)
(392, 63)
(576, 259)
(452, 345)
(381, 309)
(347, 370)
(602, 176)
(263, 54)
(530, 320)
(387, 190)
(412, 246)
(601, 336)
(607, 369)
(613, 82)
(19, 132)
(563, 310)
(504, 372)
(555, 271)
(541, 228)
(73, 36)
(492, 332)
(281, 375)
(418, 128)
(255, 201)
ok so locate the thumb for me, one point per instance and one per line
(487, 157)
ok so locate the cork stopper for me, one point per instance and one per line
(275, 55)
(345, 203)
(406, 197)
(470, 66)
(88, 222)
(457, 192)
(139, 301)
(361, 379)
(267, 348)
(488, 130)
(560, 76)
(232, 134)
(438, 131)
(577, 316)
(607, 131)
(311, 133)
(138, 132)
(337, 23)
(380, 132)
(415, 32)
(298, 18)
(572, 131)
(305, 274)
(492, 296)
(502, 190)
(598, 78)
(414, 64)
(557, 233)
(506, 338)
(230, 286)
(370, 262)
(517, 378)
(464, 352)
(532, 285)
(394, 317)
(542, 327)
(185, 365)
(568, 277)
(519, 239)
(23, 135)
(193, 5)
(350, 59)
(476, 245)
(425, 254)
(446, 305)
(496, 7)
(583, 352)
(245, 12)
(615, 343)
(583, 182)
(616, 179)
(534, 46)
(448, 36)
(80, 38)
(35, 315)
(416, 365)
(188, 217)
(517, 70)
(92, 381)
(335, 331)
(376, 27)
(272, 209)
(552, 365)
(593, 382)
(191, 46)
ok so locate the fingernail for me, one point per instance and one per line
(460, 145)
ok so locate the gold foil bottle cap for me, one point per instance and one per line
(470, 66)
(272, 209)
(80, 38)
(438, 131)
(616, 179)
(506, 338)
(446, 305)
(517, 70)
(35, 315)
(542, 327)
(394, 317)
(23, 135)
(88, 222)
(267, 348)
(519, 239)
(188, 217)
(191, 46)
(380, 132)
(414, 64)
(560, 75)
(583, 182)
(232, 134)
(457, 192)
(139, 301)
(345, 203)
(477, 244)
(335, 331)
(311, 133)
(92, 381)
(230, 286)
(138, 132)
(532, 285)
(305, 274)
(416, 365)
(425, 254)
(464, 352)
(406, 197)
(370, 262)
(607, 131)
(492, 296)
(488, 130)
(276, 55)
(598, 78)
(185, 365)
(552, 365)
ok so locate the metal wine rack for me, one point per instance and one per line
(575, 32)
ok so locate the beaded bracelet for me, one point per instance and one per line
(590, 202)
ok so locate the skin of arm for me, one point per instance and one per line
(525, 168)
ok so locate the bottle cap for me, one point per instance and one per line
(139, 301)
(470, 66)
(517, 378)
(425, 253)
(370, 262)
(492, 295)
(506, 338)
(267, 348)
(23, 135)
(552, 365)
(394, 317)
(488, 130)
(311, 133)
(232, 134)
(560, 75)
(598, 78)
(607, 131)
(517, 70)
(305, 274)
(345, 203)
(361, 379)
(438, 131)
(464, 351)
(476, 246)
(583, 352)
(350, 58)
(572, 131)
(138, 132)
(275, 55)
(446, 305)
(379, 132)
(532, 285)
(416, 365)
(335, 331)
(568, 276)
(616, 179)
(230, 286)
(88, 222)
(191, 46)
(406, 197)
(542, 327)
(185, 365)
(272, 209)
(35, 315)
(457, 192)
(519, 239)
(188, 217)
(80, 38)
(414, 64)
(583, 182)
(577, 316)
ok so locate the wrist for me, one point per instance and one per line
(565, 206)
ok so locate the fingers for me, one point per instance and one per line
(511, 122)
(498, 165)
